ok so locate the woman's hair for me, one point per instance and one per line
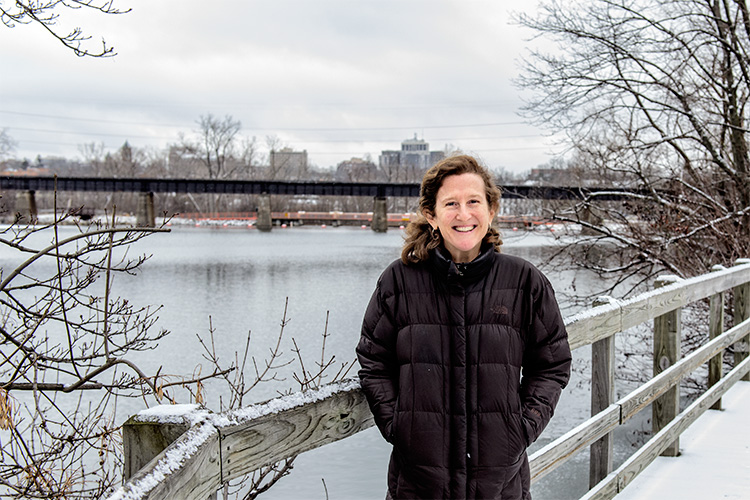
(419, 238)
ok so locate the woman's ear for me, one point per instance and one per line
(430, 219)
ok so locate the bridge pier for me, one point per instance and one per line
(144, 215)
(380, 215)
(587, 215)
(26, 206)
(264, 222)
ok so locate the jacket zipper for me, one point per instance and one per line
(466, 402)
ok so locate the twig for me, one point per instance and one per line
(107, 275)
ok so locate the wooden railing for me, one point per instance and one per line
(214, 448)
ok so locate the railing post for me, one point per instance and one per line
(741, 313)
(602, 395)
(666, 352)
(716, 328)
(143, 439)
(145, 436)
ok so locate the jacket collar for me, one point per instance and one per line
(468, 272)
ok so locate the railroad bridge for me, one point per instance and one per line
(26, 187)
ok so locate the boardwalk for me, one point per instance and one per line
(714, 461)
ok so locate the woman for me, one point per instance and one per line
(463, 350)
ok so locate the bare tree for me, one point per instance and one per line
(249, 158)
(69, 350)
(94, 154)
(215, 145)
(125, 162)
(217, 149)
(48, 13)
(655, 93)
(250, 372)
(7, 145)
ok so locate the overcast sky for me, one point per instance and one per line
(339, 78)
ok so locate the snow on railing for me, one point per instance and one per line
(220, 447)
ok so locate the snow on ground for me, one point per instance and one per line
(714, 459)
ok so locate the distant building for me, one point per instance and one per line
(407, 164)
(549, 176)
(288, 160)
(356, 170)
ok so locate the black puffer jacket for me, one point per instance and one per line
(441, 354)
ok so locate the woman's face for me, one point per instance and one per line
(462, 215)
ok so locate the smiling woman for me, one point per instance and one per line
(448, 333)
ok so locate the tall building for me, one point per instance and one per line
(288, 159)
(288, 164)
(409, 163)
(356, 170)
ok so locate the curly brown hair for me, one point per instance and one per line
(419, 238)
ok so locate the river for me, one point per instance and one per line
(241, 279)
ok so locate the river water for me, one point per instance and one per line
(241, 279)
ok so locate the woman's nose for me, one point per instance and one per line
(463, 211)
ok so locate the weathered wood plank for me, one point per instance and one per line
(142, 441)
(604, 490)
(271, 438)
(192, 466)
(592, 325)
(603, 321)
(561, 449)
(658, 302)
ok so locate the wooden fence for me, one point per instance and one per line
(207, 450)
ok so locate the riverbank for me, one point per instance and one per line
(287, 220)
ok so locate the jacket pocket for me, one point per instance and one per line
(392, 428)
(520, 441)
